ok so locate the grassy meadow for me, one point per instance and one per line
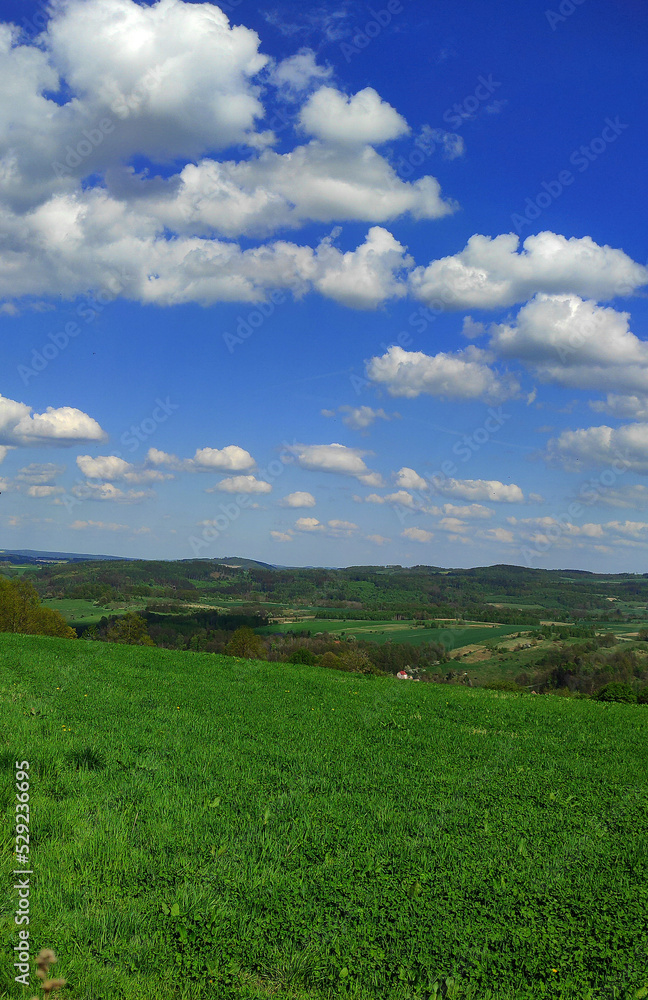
(206, 827)
(451, 637)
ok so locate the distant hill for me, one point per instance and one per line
(37, 556)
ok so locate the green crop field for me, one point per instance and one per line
(205, 827)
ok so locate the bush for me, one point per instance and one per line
(302, 656)
(616, 691)
(502, 686)
(642, 696)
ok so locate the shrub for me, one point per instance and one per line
(302, 656)
(502, 686)
(616, 691)
(642, 696)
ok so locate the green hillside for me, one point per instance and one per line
(209, 827)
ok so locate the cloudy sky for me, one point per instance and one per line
(325, 283)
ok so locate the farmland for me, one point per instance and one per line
(210, 827)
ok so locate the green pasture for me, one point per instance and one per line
(206, 827)
(78, 612)
(396, 631)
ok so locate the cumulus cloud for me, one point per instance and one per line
(108, 492)
(359, 418)
(299, 499)
(490, 273)
(632, 496)
(299, 73)
(463, 375)
(496, 535)
(623, 407)
(44, 492)
(575, 343)
(57, 426)
(335, 458)
(40, 473)
(417, 535)
(454, 524)
(107, 526)
(478, 489)
(241, 484)
(623, 448)
(78, 216)
(281, 536)
(363, 119)
(378, 539)
(230, 458)
(112, 467)
(473, 510)
(309, 524)
(410, 480)
(364, 278)
(312, 183)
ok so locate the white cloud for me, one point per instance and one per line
(473, 510)
(574, 343)
(497, 535)
(63, 426)
(298, 73)
(451, 144)
(231, 458)
(186, 87)
(112, 467)
(623, 407)
(417, 535)
(453, 524)
(40, 473)
(364, 278)
(622, 448)
(358, 418)
(44, 492)
(342, 529)
(410, 480)
(490, 273)
(478, 489)
(281, 536)
(107, 526)
(241, 484)
(103, 467)
(401, 497)
(109, 492)
(299, 499)
(181, 86)
(309, 524)
(312, 183)
(378, 539)
(462, 375)
(335, 458)
(363, 119)
(632, 496)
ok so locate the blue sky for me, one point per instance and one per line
(325, 284)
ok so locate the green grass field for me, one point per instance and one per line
(205, 827)
(396, 631)
(77, 612)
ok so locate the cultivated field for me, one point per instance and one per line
(209, 827)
